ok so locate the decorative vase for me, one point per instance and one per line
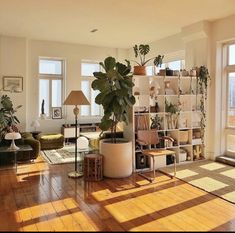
(43, 116)
(139, 70)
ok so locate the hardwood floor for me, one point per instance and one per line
(42, 198)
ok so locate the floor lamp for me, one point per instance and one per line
(76, 98)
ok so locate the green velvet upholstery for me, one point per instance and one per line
(26, 138)
(51, 141)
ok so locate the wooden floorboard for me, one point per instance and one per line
(41, 197)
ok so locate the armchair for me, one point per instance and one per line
(148, 139)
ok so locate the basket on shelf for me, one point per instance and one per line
(183, 137)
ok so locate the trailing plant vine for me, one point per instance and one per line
(203, 78)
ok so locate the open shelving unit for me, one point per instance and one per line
(152, 93)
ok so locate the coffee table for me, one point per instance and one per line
(23, 148)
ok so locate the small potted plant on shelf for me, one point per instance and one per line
(172, 111)
(141, 51)
(115, 87)
(156, 122)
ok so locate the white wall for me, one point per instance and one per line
(19, 56)
(13, 56)
(222, 31)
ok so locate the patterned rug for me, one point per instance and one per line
(63, 155)
(213, 177)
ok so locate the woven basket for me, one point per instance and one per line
(183, 136)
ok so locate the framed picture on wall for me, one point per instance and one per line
(13, 83)
(56, 113)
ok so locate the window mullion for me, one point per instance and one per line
(50, 97)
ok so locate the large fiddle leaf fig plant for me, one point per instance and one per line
(115, 87)
(7, 115)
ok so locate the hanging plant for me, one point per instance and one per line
(203, 78)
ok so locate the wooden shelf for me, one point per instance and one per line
(186, 119)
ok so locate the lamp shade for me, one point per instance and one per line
(35, 124)
(76, 98)
(12, 136)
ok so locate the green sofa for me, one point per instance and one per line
(26, 139)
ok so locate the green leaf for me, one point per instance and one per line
(99, 84)
(144, 49)
(105, 124)
(136, 50)
(109, 63)
(99, 75)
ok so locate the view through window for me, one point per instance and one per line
(231, 86)
(87, 69)
(51, 78)
(173, 65)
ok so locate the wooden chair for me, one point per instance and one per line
(149, 139)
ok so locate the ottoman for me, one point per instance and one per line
(51, 141)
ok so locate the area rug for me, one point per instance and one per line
(213, 177)
(63, 155)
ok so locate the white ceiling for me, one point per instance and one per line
(120, 23)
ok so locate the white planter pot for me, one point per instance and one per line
(117, 158)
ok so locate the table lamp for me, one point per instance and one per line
(76, 98)
(12, 136)
(35, 124)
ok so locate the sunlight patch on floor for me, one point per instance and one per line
(212, 166)
(184, 173)
(208, 184)
(229, 173)
(230, 196)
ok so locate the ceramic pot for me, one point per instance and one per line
(117, 158)
(139, 70)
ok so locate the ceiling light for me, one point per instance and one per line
(94, 30)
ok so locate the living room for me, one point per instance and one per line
(73, 37)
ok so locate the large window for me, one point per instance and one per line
(87, 69)
(230, 76)
(228, 87)
(51, 80)
(173, 65)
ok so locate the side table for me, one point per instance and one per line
(24, 148)
(35, 133)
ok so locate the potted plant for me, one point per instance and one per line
(141, 51)
(156, 122)
(203, 78)
(115, 87)
(172, 111)
(8, 120)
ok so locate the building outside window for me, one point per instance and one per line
(87, 69)
(51, 84)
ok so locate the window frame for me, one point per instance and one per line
(227, 70)
(50, 78)
(90, 79)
